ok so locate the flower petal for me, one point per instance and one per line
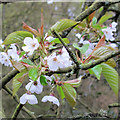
(32, 99)
(23, 99)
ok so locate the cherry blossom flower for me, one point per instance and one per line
(62, 60)
(4, 59)
(31, 45)
(113, 26)
(108, 33)
(50, 1)
(1, 43)
(13, 52)
(31, 99)
(34, 86)
(52, 99)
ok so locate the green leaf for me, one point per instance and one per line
(82, 49)
(56, 40)
(60, 91)
(70, 94)
(21, 54)
(103, 51)
(97, 26)
(33, 73)
(28, 61)
(43, 80)
(111, 76)
(94, 21)
(17, 37)
(62, 25)
(96, 70)
(104, 18)
(18, 80)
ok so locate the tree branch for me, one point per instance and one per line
(16, 112)
(99, 61)
(95, 6)
(7, 78)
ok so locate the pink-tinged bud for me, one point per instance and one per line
(52, 94)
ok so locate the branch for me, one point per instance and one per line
(95, 6)
(85, 66)
(7, 78)
(99, 61)
(16, 112)
(72, 55)
(15, 97)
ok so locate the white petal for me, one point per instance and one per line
(51, 99)
(28, 40)
(23, 99)
(28, 86)
(32, 99)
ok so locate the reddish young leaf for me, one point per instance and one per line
(30, 29)
(100, 43)
(90, 17)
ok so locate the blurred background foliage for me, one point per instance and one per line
(92, 93)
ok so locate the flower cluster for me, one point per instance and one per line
(57, 60)
(36, 87)
(109, 31)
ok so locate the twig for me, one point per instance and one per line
(68, 50)
(15, 97)
(95, 6)
(90, 110)
(16, 112)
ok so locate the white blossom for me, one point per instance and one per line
(31, 99)
(34, 86)
(4, 59)
(52, 99)
(113, 26)
(31, 45)
(108, 33)
(50, 1)
(62, 60)
(13, 52)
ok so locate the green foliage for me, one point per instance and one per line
(111, 76)
(104, 18)
(94, 21)
(18, 80)
(62, 25)
(17, 37)
(56, 40)
(43, 80)
(82, 49)
(33, 74)
(96, 70)
(102, 52)
(60, 91)
(70, 94)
